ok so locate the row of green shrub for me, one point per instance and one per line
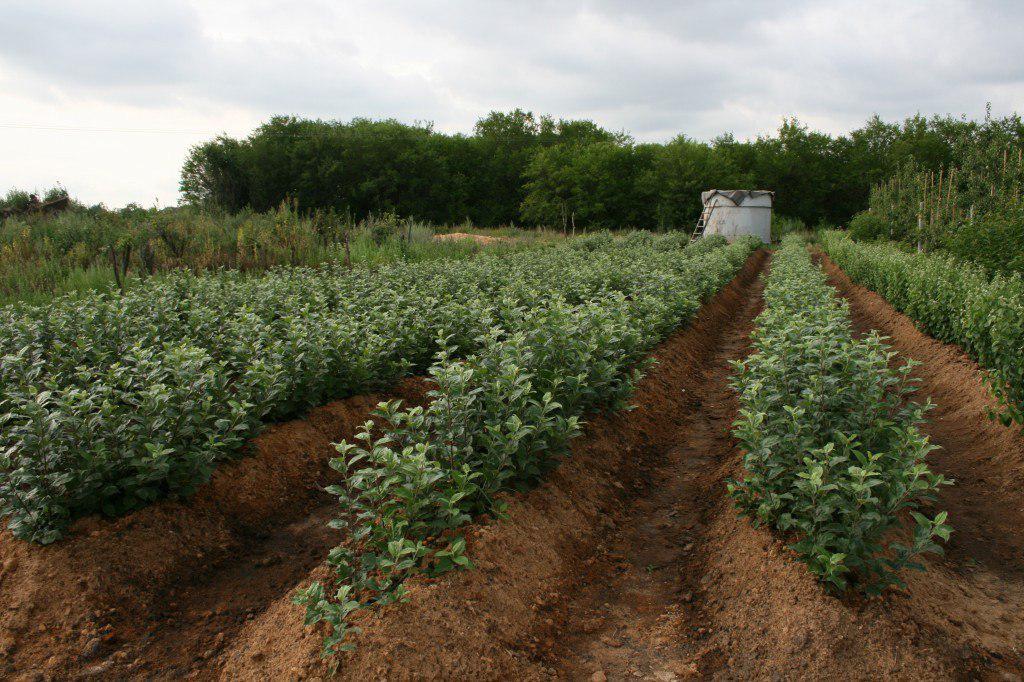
(833, 453)
(951, 300)
(110, 401)
(969, 205)
(502, 416)
(994, 240)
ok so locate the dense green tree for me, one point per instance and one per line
(506, 144)
(679, 172)
(550, 187)
(519, 168)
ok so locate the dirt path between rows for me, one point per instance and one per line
(636, 610)
(524, 613)
(682, 587)
(972, 598)
(156, 593)
(633, 564)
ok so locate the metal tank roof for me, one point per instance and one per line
(736, 196)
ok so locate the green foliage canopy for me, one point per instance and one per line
(516, 167)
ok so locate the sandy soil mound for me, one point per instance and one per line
(481, 239)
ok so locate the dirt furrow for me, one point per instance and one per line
(631, 563)
(764, 617)
(182, 638)
(154, 594)
(511, 617)
(635, 611)
(972, 597)
(182, 590)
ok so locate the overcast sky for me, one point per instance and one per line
(106, 97)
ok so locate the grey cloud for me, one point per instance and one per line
(155, 56)
(102, 43)
(294, 79)
(648, 67)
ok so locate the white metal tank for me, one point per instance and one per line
(733, 213)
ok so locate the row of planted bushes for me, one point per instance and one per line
(953, 301)
(993, 240)
(833, 453)
(501, 417)
(110, 401)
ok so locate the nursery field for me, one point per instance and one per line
(612, 457)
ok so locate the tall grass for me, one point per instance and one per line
(80, 249)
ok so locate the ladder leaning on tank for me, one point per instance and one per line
(702, 222)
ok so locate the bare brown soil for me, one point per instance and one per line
(115, 593)
(629, 562)
(974, 596)
(510, 618)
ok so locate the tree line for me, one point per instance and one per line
(971, 207)
(519, 168)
